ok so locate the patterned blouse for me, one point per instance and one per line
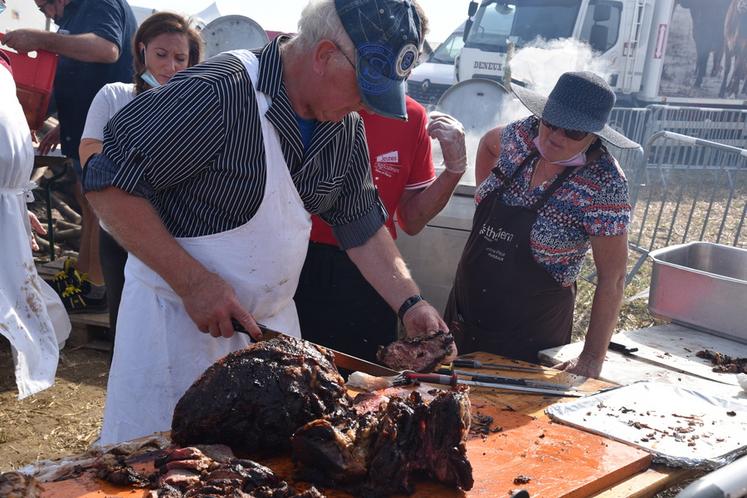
(593, 201)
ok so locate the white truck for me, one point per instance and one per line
(651, 47)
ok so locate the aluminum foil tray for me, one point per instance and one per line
(679, 427)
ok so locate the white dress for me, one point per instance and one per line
(32, 316)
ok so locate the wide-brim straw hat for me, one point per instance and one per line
(580, 101)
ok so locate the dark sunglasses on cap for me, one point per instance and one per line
(576, 135)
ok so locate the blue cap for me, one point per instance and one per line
(386, 35)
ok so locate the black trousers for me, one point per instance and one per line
(338, 308)
(113, 258)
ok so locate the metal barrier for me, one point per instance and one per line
(687, 188)
(725, 126)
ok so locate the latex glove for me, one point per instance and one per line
(423, 319)
(37, 227)
(50, 141)
(24, 40)
(450, 135)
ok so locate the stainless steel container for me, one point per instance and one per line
(701, 285)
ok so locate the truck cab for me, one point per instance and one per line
(616, 30)
(431, 78)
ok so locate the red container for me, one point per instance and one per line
(34, 77)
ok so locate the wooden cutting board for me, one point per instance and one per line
(559, 461)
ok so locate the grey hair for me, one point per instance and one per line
(319, 21)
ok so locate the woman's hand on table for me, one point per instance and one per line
(586, 367)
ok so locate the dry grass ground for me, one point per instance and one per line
(62, 420)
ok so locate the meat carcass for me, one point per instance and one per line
(255, 398)
(421, 354)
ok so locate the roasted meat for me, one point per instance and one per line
(116, 470)
(17, 485)
(255, 398)
(377, 453)
(723, 362)
(421, 354)
(189, 472)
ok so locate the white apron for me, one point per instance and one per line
(158, 351)
(32, 316)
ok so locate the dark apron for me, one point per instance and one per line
(503, 302)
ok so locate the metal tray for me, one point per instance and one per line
(701, 285)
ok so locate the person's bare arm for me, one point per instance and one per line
(382, 266)
(89, 147)
(209, 300)
(85, 47)
(610, 259)
(417, 207)
(488, 152)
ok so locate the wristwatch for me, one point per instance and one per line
(409, 303)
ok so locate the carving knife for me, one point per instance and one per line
(453, 380)
(342, 360)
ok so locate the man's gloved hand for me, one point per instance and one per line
(450, 135)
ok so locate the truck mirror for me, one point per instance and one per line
(467, 26)
(472, 9)
(602, 12)
(598, 38)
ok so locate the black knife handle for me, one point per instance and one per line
(621, 348)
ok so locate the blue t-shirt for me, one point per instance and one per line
(306, 127)
(76, 83)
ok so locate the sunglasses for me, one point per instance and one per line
(576, 135)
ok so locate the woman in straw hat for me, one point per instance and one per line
(548, 190)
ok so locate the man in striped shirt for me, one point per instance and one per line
(209, 182)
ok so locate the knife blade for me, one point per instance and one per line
(506, 380)
(453, 380)
(342, 360)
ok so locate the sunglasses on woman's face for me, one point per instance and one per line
(576, 135)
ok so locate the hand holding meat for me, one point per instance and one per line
(422, 319)
(450, 135)
(212, 302)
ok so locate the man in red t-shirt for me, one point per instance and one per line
(337, 307)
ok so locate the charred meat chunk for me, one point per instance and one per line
(17, 485)
(116, 470)
(723, 362)
(421, 354)
(255, 398)
(189, 473)
(378, 453)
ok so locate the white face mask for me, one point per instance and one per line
(577, 160)
(150, 79)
